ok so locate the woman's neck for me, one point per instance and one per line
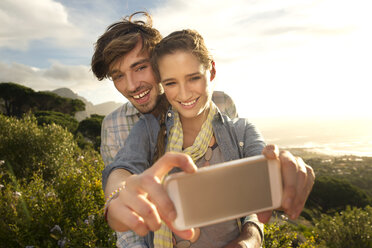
(191, 127)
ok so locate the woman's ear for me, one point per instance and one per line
(213, 71)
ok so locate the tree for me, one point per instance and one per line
(49, 101)
(332, 195)
(90, 128)
(64, 120)
(17, 98)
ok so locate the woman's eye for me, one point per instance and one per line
(195, 78)
(169, 83)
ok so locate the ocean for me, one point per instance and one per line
(327, 136)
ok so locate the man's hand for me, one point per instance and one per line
(298, 180)
(143, 203)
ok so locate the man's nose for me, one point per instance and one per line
(132, 83)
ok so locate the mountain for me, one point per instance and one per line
(100, 109)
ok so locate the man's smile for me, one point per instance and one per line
(141, 94)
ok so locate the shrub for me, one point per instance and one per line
(26, 147)
(63, 209)
(349, 228)
(280, 234)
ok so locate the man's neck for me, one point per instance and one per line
(161, 105)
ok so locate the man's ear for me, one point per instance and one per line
(213, 71)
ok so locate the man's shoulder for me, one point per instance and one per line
(217, 95)
(225, 103)
(124, 112)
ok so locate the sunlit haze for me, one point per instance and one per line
(277, 59)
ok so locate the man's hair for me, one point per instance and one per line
(119, 39)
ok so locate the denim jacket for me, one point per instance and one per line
(236, 139)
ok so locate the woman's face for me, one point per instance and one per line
(186, 83)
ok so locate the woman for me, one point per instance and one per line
(192, 125)
(186, 71)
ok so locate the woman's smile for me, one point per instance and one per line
(189, 104)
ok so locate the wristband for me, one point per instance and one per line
(111, 197)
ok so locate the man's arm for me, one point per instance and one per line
(143, 202)
(250, 237)
(116, 180)
(107, 141)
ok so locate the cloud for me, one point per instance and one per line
(46, 79)
(249, 28)
(23, 21)
(290, 54)
(78, 78)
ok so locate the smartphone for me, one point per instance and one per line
(225, 191)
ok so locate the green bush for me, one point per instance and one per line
(349, 228)
(280, 234)
(60, 211)
(26, 147)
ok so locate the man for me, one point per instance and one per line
(122, 54)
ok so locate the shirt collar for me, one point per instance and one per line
(131, 110)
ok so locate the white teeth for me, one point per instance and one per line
(188, 103)
(141, 95)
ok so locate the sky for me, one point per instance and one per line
(289, 58)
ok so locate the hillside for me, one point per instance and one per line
(90, 108)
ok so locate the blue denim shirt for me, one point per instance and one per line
(236, 139)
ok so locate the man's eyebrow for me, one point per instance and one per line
(139, 62)
(131, 66)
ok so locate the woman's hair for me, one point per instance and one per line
(120, 38)
(185, 40)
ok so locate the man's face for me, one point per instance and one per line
(134, 78)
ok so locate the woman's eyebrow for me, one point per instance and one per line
(187, 75)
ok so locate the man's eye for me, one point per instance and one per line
(141, 68)
(116, 77)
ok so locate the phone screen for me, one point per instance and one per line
(216, 194)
